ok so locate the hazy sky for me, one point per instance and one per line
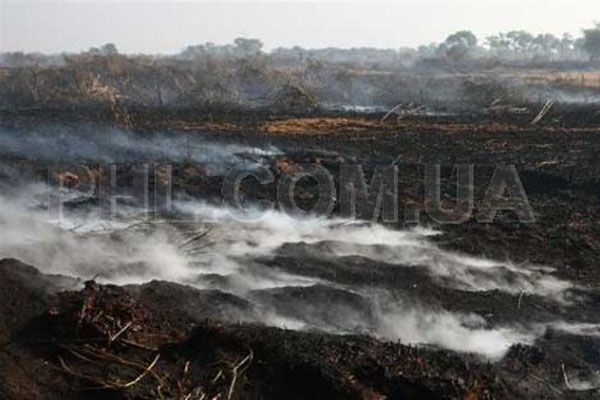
(168, 26)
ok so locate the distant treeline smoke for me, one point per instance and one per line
(460, 73)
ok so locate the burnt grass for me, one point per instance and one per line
(56, 343)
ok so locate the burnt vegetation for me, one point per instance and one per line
(460, 73)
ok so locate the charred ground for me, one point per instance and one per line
(164, 339)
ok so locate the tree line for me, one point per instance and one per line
(460, 46)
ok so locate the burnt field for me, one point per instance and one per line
(199, 302)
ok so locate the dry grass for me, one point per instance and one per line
(575, 79)
(319, 125)
(581, 79)
(117, 347)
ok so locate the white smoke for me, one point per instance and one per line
(461, 333)
(60, 144)
(212, 247)
(260, 233)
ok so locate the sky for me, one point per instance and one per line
(165, 26)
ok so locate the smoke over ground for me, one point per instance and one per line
(303, 273)
(83, 143)
(208, 247)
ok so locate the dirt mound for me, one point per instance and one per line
(172, 300)
(25, 294)
(305, 303)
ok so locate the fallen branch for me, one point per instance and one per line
(100, 383)
(143, 374)
(236, 372)
(565, 377)
(555, 392)
(123, 330)
(391, 111)
(520, 299)
(107, 384)
(547, 106)
(216, 378)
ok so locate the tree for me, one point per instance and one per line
(459, 45)
(16, 59)
(547, 44)
(247, 47)
(567, 45)
(428, 50)
(520, 41)
(591, 42)
(109, 49)
(498, 43)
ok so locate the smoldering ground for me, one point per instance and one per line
(298, 272)
(327, 274)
